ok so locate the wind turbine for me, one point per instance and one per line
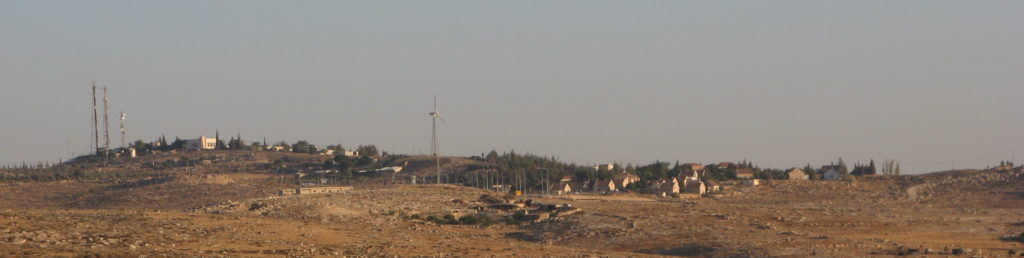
(434, 116)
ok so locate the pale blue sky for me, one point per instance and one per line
(780, 83)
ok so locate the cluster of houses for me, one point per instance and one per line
(208, 143)
(694, 179)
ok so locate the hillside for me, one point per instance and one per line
(229, 206)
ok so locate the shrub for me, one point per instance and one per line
(469, 220)
(436, 219)
(519, 215)
(487, 220)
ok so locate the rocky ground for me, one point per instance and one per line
(975, 213)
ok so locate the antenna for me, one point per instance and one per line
(123, 131)
(106, 119)
(95, 120)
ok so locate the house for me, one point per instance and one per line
(726, 165)
(562, 188)
(752, 182)
(607, 167)
(690, 174)
(831, 174)
(695, 187)
(797, 174)
(712, 186)
(327, 152)
(669, 188)
(622, 181)
(277, 148)
(744, 173)
(201, 143)
(605, 186)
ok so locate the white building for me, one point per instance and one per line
(832, 174)
(351, 153)
(202, 143)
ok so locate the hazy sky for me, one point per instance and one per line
(780, 83)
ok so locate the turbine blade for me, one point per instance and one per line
(439, 118)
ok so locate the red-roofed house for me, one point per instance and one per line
(744, 173)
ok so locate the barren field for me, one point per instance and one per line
(239, 214)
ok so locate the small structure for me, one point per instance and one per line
(327, 152)
(277, 148)
(744, 173)
(392, 169)
(752, 182)
(314, 190)
(566, 179)
(351, 153)
(605, 186)
(797, 174)
(501, 188)
(723, 165)
(607, 167)
(201, 143)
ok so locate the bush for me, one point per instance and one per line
(519, 215)
(436, 219)
(487, 220)
(469, 220)
(415, 216)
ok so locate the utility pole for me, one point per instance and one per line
(95, 120)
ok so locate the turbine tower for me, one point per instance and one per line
(433, 138)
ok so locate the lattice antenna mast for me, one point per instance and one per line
(95, 120)
(106, 119)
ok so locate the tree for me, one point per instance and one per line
(842, 166)
(177, 144)
(284, 144)
(303, 146)
(337, 148)
(141, 147)
(897, 169)
(368, 150)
